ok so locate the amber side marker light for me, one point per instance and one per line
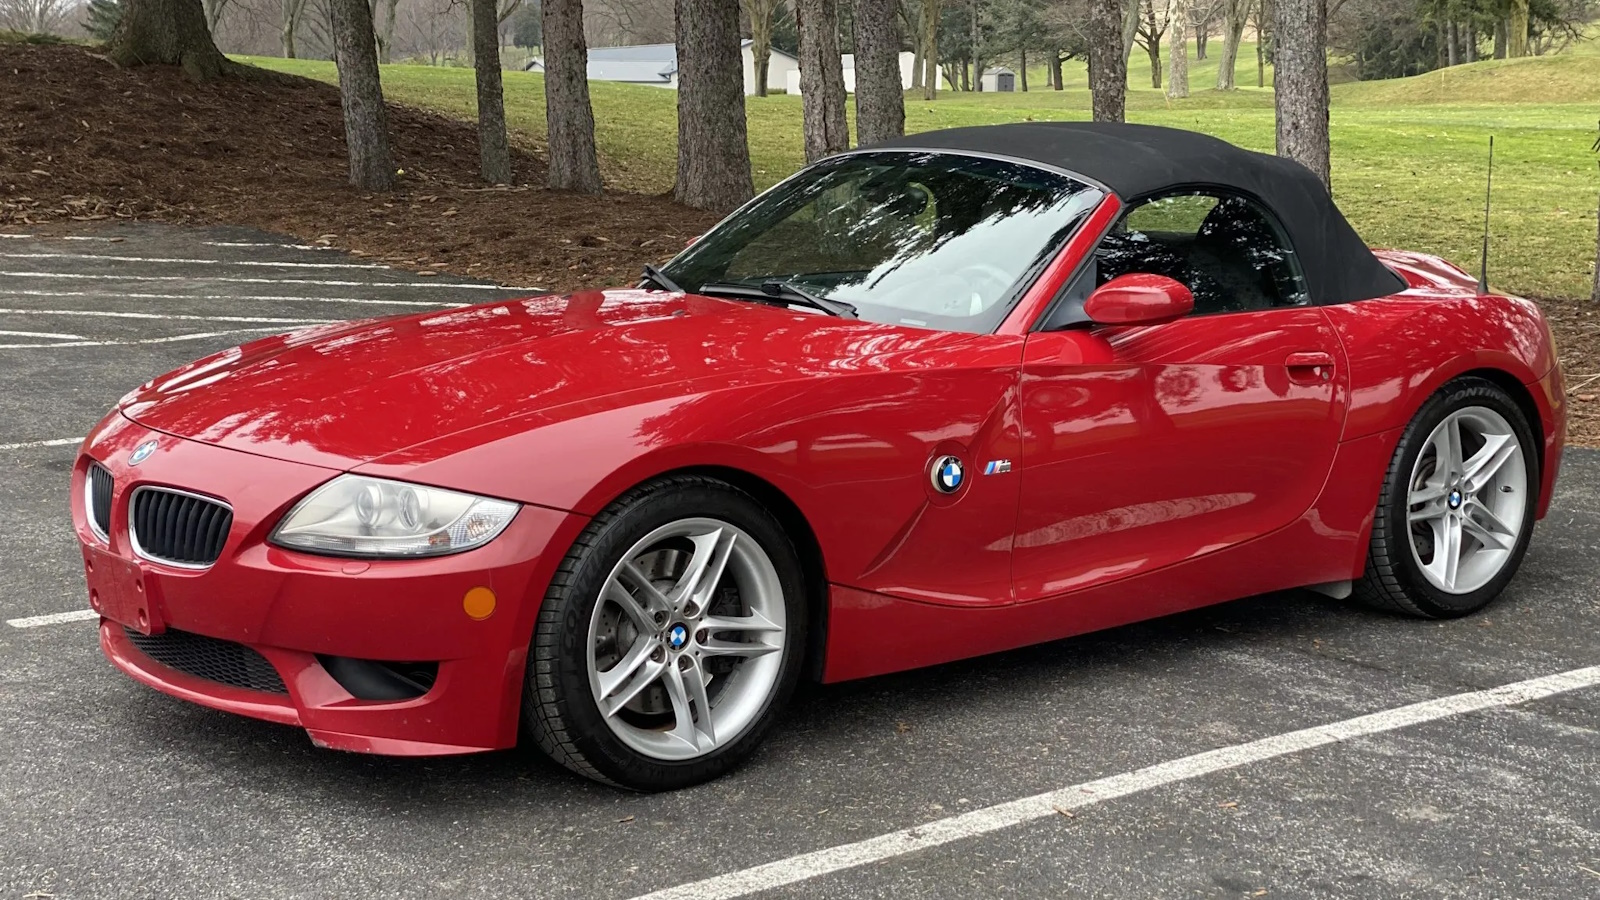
(478, 603)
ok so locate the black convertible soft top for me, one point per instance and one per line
(1138, 161)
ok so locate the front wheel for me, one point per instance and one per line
(1457, 507)
(669, 638)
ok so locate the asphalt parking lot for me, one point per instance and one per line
(1067, 770)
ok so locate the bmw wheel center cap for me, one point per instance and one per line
(948, 473)
(677, 636)
(1454, 499)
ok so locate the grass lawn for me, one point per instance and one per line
(1408, 154)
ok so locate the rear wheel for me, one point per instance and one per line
(671, 635)
(1457, 506)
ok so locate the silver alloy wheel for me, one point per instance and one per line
(1468, 500)
(686, 641)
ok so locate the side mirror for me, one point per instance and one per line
(1138, 299)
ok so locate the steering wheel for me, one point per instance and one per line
(982, 284)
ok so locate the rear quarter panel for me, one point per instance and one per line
(1403, 348)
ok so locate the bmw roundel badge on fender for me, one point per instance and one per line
(947, 474)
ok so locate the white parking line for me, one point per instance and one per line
(77, 615)
(44, 334)
(194, 261)
(220, 298)
(1042, 806)
(53, 442)
(159, 316)
(264, 244)
(160, 340)
(409, 284)
(17, 237)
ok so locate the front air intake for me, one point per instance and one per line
(219, 661)
(178, 528)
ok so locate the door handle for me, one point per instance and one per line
(1309, 366)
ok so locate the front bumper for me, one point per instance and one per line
(295, 609)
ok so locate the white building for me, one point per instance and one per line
(848, 61)
(657, 65)
(779, 66)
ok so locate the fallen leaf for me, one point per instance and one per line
(1065, 812)
(625, 819)
(1231, 804)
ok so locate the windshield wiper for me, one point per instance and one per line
(782, 290)
(651, 273)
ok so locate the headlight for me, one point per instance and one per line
(353, 515)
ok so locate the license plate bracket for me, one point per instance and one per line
(123, 592)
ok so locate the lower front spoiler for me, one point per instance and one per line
(321, 724)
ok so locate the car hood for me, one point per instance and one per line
(346, 394)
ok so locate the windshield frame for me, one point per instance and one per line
(1093, 192)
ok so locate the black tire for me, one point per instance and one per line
(1393, 580)
(559, 709)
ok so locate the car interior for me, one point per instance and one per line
(1224, 249)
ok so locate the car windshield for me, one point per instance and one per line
(932, 240)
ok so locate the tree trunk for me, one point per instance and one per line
(760, 14)
(1130, 28)
(1055, 70)
(930, 49)
(1233, 14)
(292, 10)
(569, 119)
(170, 33)
(713, 144)
(880, 97)
(1154, 52)
(1451, 57)
(1178, 49)
(1470, 42)
(1108, 67)
(1263, 37)
(916, 64)
(821, 79)
(1517, 30)
(386, 33)
(1022, 67)
(1300, 59)
(1500, 38)
(494, 150)
(1202, 36)
(973, 36)
(366, 120)
(1594, 296)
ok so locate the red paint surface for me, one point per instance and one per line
(1138, 299)
(1154, 468)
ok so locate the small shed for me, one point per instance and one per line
(999, 78)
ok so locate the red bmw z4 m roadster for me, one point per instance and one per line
(953, 394)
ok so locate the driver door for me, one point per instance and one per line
(1145, 446)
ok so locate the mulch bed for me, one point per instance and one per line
(84, 141)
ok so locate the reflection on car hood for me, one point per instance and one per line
(341, 395)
